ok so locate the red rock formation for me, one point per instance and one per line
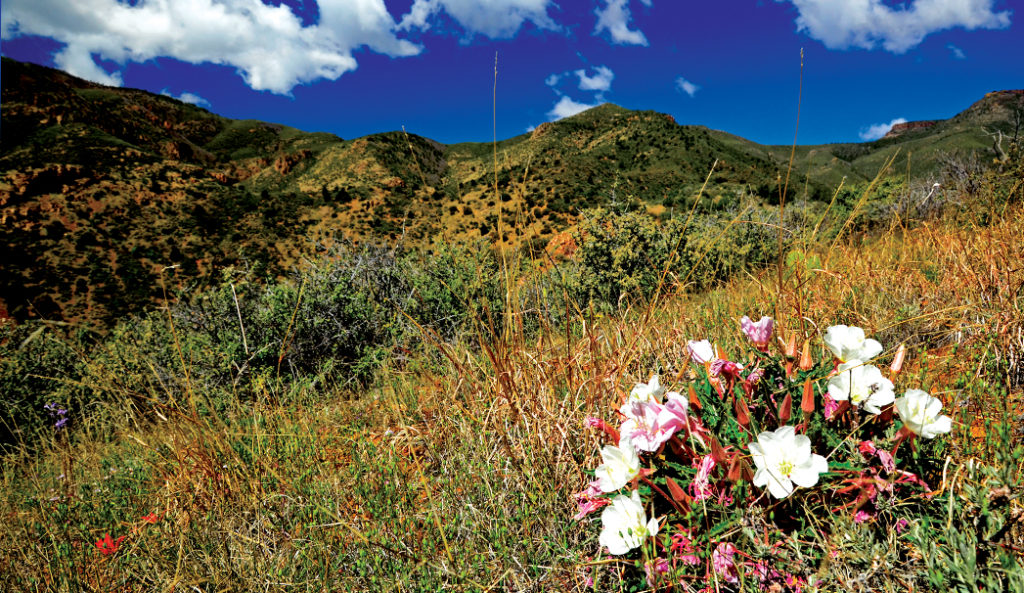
(908, 126)
(284, 163)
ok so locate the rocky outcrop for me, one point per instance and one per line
(286, 162)
(905, 127)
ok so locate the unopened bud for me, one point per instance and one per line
(791, 346)
(806, 362)
(786, 409)
(807, 403)
(897, 361)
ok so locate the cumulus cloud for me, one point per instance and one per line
(497, 19)
(187, 97)
(598, 83)
(686, 86)
(870, 23)
(876, 131)
(601, 81)
(566, 107)
(957, 52)
(267, 45)
(614, 18)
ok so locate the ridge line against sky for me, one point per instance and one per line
(354, 67)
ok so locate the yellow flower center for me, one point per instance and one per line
(786, 468)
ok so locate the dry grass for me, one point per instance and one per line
(461, 479)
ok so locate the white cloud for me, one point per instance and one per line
(876, 131)
(957, 52)
(566, 107)
(497, 19)
(686, 86)
(601, 81)
(187, 98)
(267, 45)
(869, 23)
(614, 18)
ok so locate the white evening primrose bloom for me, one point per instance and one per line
(625, 525)
(849, 343)
(862, 384)
(784, 458)
(652, 391)
(701, 351)
(621, 464)
(920, 413)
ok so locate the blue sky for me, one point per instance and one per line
(355, 67)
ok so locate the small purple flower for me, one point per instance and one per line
(760, 333)
(56, 413)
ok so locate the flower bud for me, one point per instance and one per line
(786, 409)
(806, 362)
(897, 361)
(807, 403)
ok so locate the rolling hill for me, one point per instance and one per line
(109, 194)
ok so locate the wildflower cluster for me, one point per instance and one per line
(682, 474)
(58, 414)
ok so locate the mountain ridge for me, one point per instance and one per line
(103, 189)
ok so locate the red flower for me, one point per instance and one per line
(150, 518)
(108, 546)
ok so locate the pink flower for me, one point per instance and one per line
(831, 405)
(730, 370)
(869, 450)
(723, 563)
(901, 525)
(760, 333)
(650, 425)
(887, 461)
(587, 506)
(701, 486)
(652, 569)
(603, 426)
(682, 547)
(862, 516)
(588, 501)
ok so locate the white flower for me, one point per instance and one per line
(863, 385)
(652, 391)
(625, 524)
(701, 352)
(849, 343)
(784, 458)
(920, 413)
(621, 464)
